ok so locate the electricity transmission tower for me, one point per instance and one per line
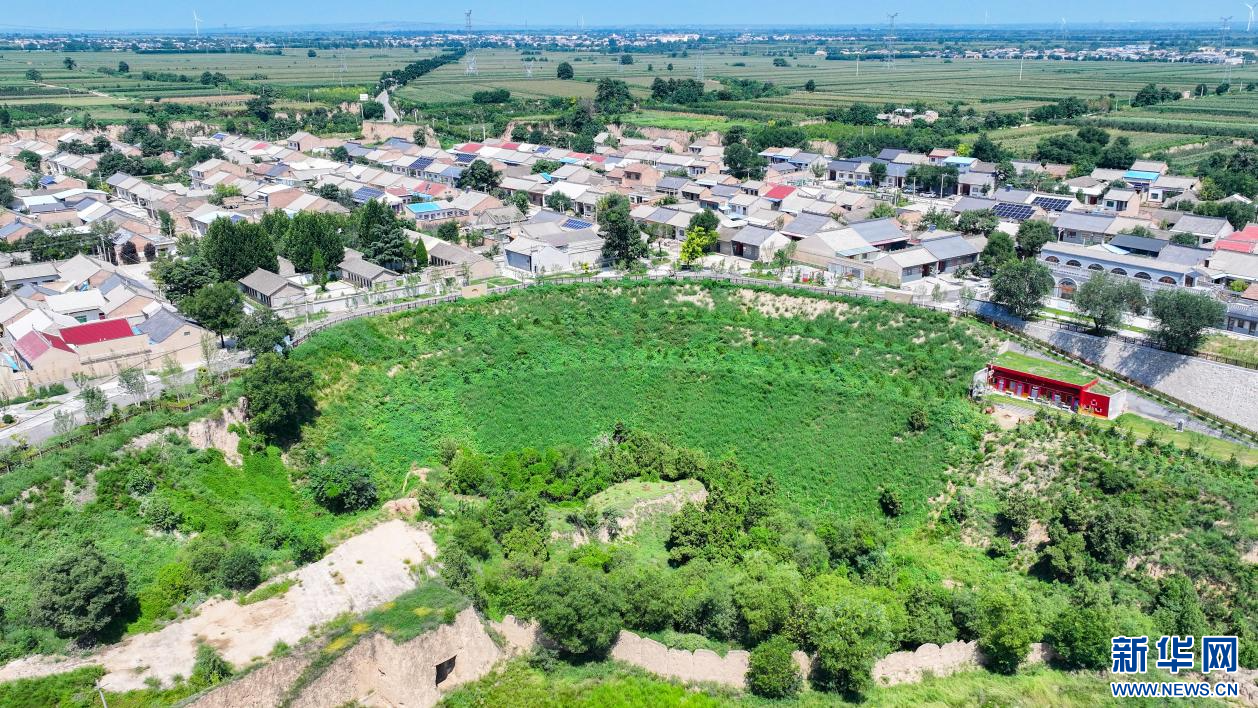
(1227, 65)
(470, 70)
(890, 38)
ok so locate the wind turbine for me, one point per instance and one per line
(196, 21)
(1250, 24)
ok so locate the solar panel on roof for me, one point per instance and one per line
(1016, 212)
(1051, 204)
(576, 224)
(464, 158)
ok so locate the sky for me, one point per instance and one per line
(37, 15)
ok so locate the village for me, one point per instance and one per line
(854, 222)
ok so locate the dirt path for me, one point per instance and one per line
(363, 572)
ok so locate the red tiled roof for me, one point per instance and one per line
(1234, 245)
(36, 344)
(470, 148)
(511, 146)
(1249, 233)
(100, 331)
(782, 191)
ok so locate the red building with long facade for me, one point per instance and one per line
(1056, 384)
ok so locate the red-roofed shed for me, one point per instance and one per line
(780, 192)
(100, 331)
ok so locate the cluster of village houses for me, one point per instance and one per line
(93, 314)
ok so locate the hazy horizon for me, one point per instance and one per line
(280, 15)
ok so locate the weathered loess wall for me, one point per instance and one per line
(912, 666)
(377, 672)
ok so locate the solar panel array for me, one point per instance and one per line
(1014, 212)
(464, 159)
(366, 194)
(576, 224)
(1051, 204)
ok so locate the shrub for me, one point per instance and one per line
(889, 500)
(204, 558)
(428, 500)
(1017, 511)
(79, 593)
(306, 547)
(343, 488)
(156, 510)
(772, 671)
(209, 669)
(473, 536)
(918, 420)
(240, 569)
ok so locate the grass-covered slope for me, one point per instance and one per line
(820, 400)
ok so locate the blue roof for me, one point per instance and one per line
(1141, 175)
(47, 180)
(219, 136)
(959, 160)
(424, 207)
(9, 362)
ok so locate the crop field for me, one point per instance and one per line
(982, 84)
(362, 68)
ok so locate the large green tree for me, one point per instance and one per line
(578, 610)
(1183, 316)
(986, 149)
(279, 394)
(998, 251)
(849, 636)
(978, 222)
(309, 232)
(261, 331)
(179, 278)
(1007, 626)
(1105, 299)
(743, 162)
(236, 249)
(79, 593)
(1020, 286)
(623, 243)
(6, 192)
(612, 96)
(772, 671)
(216, 307)
(1082, 632)
(698, 242)
(480, 176)
(1032, 235)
